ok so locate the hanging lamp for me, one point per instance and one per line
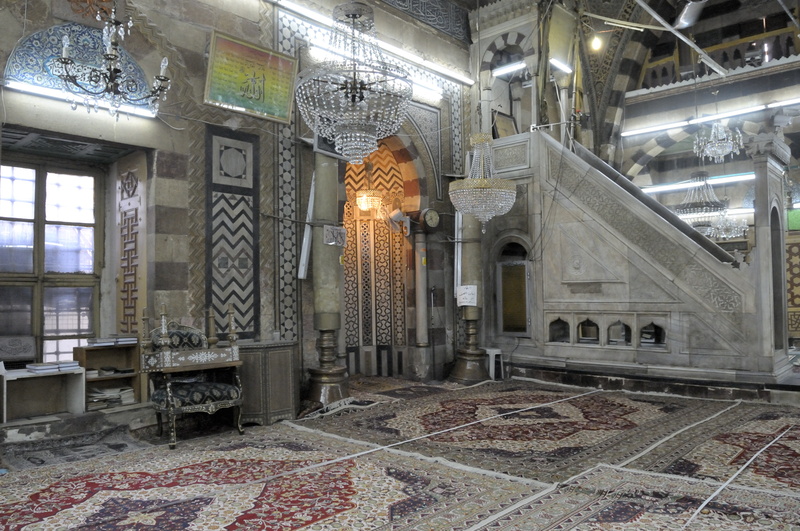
(357, 98)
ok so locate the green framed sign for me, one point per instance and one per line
(245, 78)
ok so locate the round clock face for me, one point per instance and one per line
(431, 218)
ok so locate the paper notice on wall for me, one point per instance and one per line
(467, 295)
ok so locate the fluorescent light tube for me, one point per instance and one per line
(684, 185)
(326, 22)
(61, 95)
(505, 69)
(728, 114)
(662, 127)
(561, 66)
(784, 103)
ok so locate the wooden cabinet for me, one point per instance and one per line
(269, 383)
(124, 358)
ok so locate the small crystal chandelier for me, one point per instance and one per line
(719, 143)
(481, 194)
(706, 213)
(726, 228)
(357, 98)
(108, 86)
(369, 198)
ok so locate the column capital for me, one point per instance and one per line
(768, 144)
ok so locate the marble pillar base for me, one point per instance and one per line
(470, 367)
(328, 385)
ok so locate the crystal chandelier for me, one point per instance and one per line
(700, 199)
(108, 86)
(726, 228)
(706, 213)
(357, 98)
(481, 194)
(719, 143)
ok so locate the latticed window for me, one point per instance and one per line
(49, 280)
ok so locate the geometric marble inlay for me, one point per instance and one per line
(232, 277)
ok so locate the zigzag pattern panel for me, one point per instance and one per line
(793, 283)
(232, 263)
(386, 174)
(793, 273)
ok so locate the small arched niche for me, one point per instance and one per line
(652, 335)
(588, 332)
(559, 331)
(619, 334)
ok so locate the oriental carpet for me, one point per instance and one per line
(536, 431)
(729, 441)
(514, 455)
(615, 498)
(271, 478)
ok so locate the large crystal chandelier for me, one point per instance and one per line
(357, 98)
(481, 194)
(108, 86)
(719, 143)
(706, 213)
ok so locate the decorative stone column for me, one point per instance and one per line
(470, 363)
(328, 382)
(423, 353)
(770, 156)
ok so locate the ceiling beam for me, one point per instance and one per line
(703, 55)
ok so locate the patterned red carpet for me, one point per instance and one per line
(272, 477)
(513, 455)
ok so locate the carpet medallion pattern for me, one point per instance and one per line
(608, 497)
(533, 431)
(273, 477)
